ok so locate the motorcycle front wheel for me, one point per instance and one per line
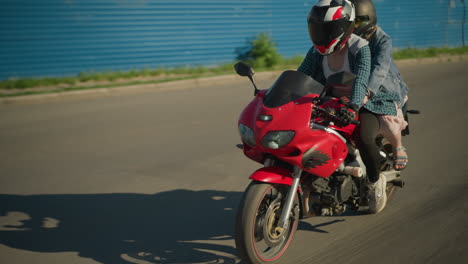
(257, 236)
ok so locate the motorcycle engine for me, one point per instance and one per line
(329, 195)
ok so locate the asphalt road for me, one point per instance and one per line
(154, 177)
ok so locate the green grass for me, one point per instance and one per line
(413, 53)
(75, 88)
(163, 74)
(85, 80)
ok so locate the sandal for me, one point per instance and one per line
(400, 160)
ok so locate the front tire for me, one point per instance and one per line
(257, 237)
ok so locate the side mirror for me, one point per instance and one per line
(243, 69)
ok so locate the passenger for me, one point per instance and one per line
(384, 76)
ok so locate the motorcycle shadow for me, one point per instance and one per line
(179, 226)
(306, 226)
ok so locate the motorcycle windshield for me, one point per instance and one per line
(291, 85)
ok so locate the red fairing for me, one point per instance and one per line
(272, 175)
(314, 150)
(249, 113)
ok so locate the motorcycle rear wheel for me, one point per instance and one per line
(257, 237)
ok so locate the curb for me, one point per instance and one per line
(192, 83)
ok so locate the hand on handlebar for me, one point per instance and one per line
(343, 117)
(348, 115)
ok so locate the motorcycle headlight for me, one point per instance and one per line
(247, 135)
(277, 139)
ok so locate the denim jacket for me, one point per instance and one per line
(385, 76)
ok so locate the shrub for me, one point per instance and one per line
(263, 52)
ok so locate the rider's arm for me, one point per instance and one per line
(311, 65)
(307, 66)
(362, 67)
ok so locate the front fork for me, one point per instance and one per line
(286, 212)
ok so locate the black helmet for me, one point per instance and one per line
(331, 22)
(366, 18)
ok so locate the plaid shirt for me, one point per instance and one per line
(382, 102)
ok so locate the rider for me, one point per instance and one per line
(384, 75)
(336, 49)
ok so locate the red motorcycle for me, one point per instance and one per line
(311, 166)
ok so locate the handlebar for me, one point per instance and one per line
(332, 116)
(356, 122)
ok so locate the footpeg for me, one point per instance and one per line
(399, 183)
(413, 112)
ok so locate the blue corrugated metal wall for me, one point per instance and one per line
(65, 37)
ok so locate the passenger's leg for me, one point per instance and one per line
(370, 153)
(391, 127)
(371, 156)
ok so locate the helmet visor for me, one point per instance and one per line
(322, 34)
(361, 21)
(363, 27)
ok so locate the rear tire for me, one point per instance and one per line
(258, 240)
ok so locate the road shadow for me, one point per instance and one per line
(180, 226)
(305, 226)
